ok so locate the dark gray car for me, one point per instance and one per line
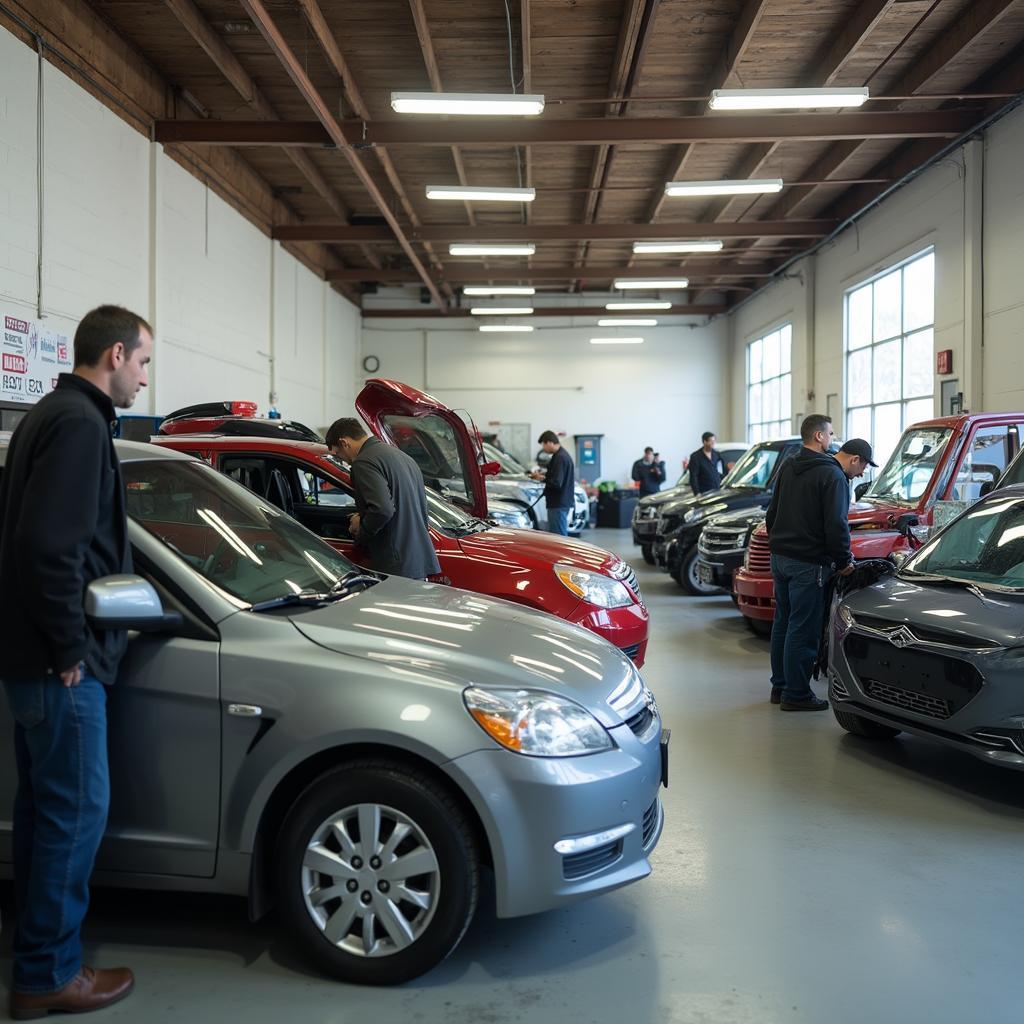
(356, 749)
(938, 648)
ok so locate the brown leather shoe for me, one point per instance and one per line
(90, 989)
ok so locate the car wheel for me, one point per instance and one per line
(860, 726)
(759, 627)
(378, 873)
(687, 576)
(647, 550)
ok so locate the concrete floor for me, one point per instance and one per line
(803, 876)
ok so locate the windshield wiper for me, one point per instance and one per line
(951, 581)
(351, 578)
(304, 597)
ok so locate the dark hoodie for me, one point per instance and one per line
(807, 517)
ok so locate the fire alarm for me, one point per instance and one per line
(944, 361)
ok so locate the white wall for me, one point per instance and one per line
(664, 393)
(235, 315)
(970, 207)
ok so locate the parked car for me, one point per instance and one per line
(723, 544)
(233, 418)
(578, 582)
(648, 508)
(938, 468)
(749, 485)
(513, 484)
(936, 649)
(292, 729)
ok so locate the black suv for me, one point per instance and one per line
(748, 485)
(723, 544)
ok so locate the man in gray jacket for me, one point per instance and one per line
(391, 503)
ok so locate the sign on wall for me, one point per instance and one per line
(31, 355)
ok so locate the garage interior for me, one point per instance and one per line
(236, 173)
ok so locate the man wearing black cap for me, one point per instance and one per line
(809, 536)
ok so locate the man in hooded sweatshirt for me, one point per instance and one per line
(809, 537)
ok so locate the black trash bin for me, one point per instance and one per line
(615, 508)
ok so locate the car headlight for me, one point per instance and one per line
(536, 723)
(510, 517)
(845, 619)
(693, 515)
(593, 587)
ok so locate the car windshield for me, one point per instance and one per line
(450, 518)
(754, 469)
(984, 546)
(238, 541)
(508, 463)
(910, 468)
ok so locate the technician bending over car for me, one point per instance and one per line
(391, 522)
(62, 525)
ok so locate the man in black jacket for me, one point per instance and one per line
(649, 472)
(391, 502)
(809, 537)
(559, 483)
(706, 466)
(63, 525)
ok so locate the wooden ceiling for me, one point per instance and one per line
(294, 95)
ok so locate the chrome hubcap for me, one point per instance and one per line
(371, 880)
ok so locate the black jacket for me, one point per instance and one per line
(807, 517)
(62, 525)
(560, 480)
(392, 505)
(649, 475)
(706, 474)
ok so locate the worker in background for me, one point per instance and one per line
(706, 466)
(559, 483)
(649, 472)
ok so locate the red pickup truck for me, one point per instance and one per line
(938, 468)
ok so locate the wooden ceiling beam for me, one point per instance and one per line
(527, 64)
(508, 275)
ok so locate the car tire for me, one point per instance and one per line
(857, 725)
(395, 926)
(759, 627)
(686, 575)
(647, 550)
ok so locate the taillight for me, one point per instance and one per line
(243, 408)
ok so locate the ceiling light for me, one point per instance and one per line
(785, 99)
(505, 328)
(472, 103)
(479, 194)
(501, 310)
(623, 283)
(509, 290)
(638, 305)
(467, 249)
(750, 186)
(616, 341)
(627, 322)
(711, 246)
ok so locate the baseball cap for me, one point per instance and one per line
(859, 447)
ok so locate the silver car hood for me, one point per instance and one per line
(455, 638)
(937, 609)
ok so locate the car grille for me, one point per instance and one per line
(579, 865)
(646, 512)
(929, 634)
(669, 523)
(715, 539)
(631, 651)
(650, 824)
(908, 700)
(759, 556)
(639, 722)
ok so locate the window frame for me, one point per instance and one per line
(781, 376)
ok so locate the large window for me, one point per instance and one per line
(770, 385)
(890, 324)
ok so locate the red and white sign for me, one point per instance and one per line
(32, 354)
(15, 363)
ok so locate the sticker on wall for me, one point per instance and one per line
(32, 354)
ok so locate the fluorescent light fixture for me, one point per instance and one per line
(710, 246)
(501, 310)
(505, 328)
(748, 187)
(786, 99)
(468, 249)
(637, 305)
(498, 290)
(473, 104)
(627, 322)
(478, 194)
(624, 283)
(616, 341)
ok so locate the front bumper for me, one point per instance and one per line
(755, 594)
(528, 804)
(645, 531)
(722, 566)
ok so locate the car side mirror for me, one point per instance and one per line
(861, 489)
(127, 602)
(491, 468)
(905, 522)
(899, 558)
(987, 488)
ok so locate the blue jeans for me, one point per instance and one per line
(60, 813)
(558, 520)
(796, 631)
